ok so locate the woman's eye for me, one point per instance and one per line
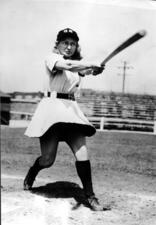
(67, 43)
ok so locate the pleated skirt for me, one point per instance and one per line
(61, 113)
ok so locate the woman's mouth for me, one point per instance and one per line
(68, 52)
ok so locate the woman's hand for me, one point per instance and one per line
(94, 70)
(97, 70)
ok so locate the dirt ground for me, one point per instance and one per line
(124, 176)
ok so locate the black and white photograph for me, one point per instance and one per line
(78, 112)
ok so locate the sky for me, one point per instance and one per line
(28, 31)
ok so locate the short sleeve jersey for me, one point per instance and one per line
(63, 81)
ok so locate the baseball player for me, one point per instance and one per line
(58, 116)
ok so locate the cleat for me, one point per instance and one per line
(29, 179)
(95, 205)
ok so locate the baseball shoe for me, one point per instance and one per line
(95, 205)
(29, 179)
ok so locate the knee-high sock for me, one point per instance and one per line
(36, 166)
(84, 172)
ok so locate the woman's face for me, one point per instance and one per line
(67, 47)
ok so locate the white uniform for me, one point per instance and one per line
(52, 110)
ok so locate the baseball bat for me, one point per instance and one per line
(124, 45)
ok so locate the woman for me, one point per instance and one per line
(58, 117)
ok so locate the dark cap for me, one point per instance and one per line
(67, 33)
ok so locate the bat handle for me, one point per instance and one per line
(103, 65)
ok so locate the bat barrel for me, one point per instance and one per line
(124, 45)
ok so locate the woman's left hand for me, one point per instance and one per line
(97, 70)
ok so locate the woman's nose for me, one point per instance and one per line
(69, 46)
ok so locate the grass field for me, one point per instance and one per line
(124, 175)
(128, 152)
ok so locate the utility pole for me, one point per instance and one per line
(124, 74)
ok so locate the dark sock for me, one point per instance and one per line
(84, 172)
(36, 166)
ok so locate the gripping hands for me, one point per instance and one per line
(97, 70)
(94, 70)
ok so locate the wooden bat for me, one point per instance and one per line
(124, 45)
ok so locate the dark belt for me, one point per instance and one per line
(69, 96)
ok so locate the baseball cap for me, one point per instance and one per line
(66, 33)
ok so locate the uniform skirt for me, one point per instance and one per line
(62, 113)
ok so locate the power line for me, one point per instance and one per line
(124, 74)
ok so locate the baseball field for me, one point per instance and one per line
(124, 176)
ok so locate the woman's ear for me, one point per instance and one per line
(78, 48)
(55, 50)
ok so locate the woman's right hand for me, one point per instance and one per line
(97, 70)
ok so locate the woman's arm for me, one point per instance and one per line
(75, 66)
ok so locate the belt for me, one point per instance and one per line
(69, 96)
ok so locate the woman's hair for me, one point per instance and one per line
(75, 56)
